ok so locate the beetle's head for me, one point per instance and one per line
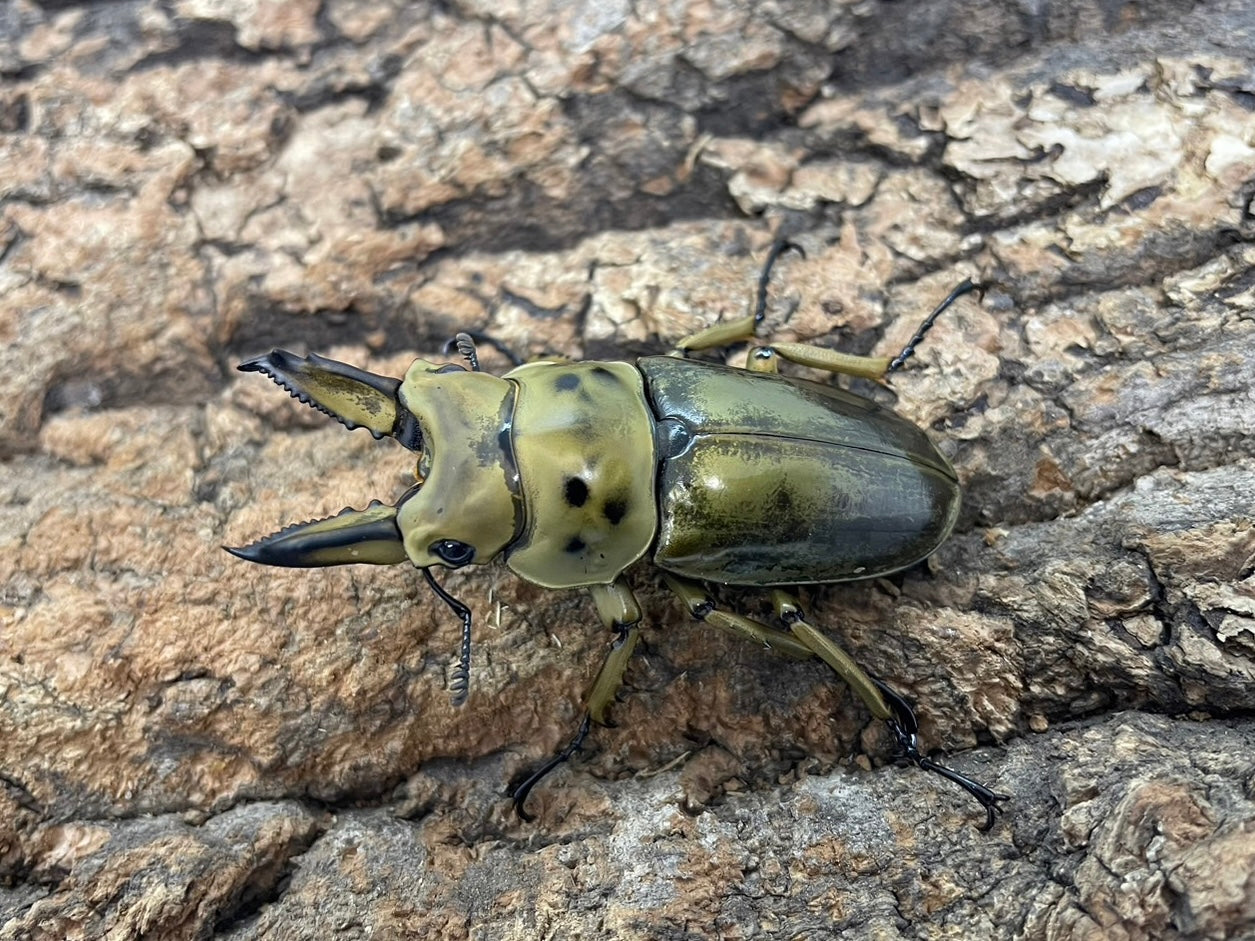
(464, 507)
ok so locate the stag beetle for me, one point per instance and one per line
(570, 472)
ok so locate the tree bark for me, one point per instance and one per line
(197, 747)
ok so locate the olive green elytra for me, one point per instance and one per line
(571, 472)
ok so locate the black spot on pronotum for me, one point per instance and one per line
(575, 545)
(567, 382)
(575, 491)
(615, 510)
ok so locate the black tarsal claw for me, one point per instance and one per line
(908, 745)
(518, 793)
(905, 729)
(778, 248)
(966, 286)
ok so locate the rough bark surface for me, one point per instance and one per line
(191, 746)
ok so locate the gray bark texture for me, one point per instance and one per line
(194, 747)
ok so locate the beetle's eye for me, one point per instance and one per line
(452, 552)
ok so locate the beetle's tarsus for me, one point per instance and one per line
(905, 728)
(778, 248)
(987, 797)
(519, 792)
(966, 286)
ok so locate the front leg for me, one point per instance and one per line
(618, 609)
